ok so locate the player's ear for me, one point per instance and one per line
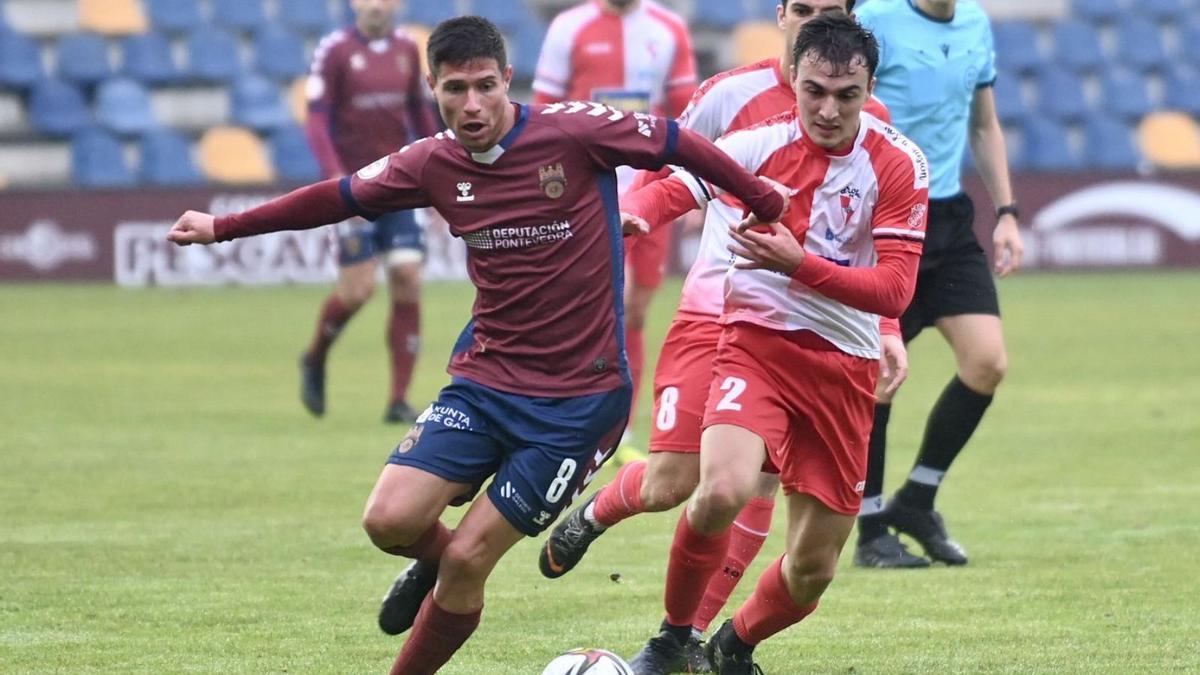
(432, 81)
(508, 74)
(780, 12)
(871, 86)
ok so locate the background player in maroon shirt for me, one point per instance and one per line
(540, 388)
(366, 99)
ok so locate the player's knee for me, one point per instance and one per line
(719, 501)
(387, 528)
(808, 576)
(666, 495)
(985, 372)
(463, 560)
(355, 295)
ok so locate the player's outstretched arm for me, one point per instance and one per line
(193, 227)
(700, 156)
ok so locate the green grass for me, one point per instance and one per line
(166, 506)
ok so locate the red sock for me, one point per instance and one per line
(404, 341)
(333, 317)
(694, 559)
(745, 540)
(635, 348)
(436, 635)
(769, 609)
(428, 547)
(622, 497)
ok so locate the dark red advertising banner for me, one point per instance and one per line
(1071, 221)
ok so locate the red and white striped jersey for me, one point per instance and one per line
(846, 209)
(638, 62)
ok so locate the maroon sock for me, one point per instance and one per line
(428, 547)
(769, 609)
(694, 559)
(404, 341)
(745, 540)
(622, 497)
(436, 635)
(334, 316)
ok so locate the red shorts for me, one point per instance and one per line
(812, 404)
(681, 381)
(646, 256)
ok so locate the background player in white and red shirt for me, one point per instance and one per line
(794, 378)
(636, 56)
(540, 388)
(727, 102)
(366, 98)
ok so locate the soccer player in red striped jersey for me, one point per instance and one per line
(794, 377)
(540, 383)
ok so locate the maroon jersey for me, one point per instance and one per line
(366, 99)
(538, 213)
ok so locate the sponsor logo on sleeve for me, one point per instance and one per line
(373, 169)
(916, 217)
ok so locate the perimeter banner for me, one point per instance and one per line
(1071, 221)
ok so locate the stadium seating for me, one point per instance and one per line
(1060, 95)
(1140, 45)
(174, 16)
(239, 15)
(234, 155)
(508, 15)
(1163, 11)
(98, 160)
(123, 107)
(526, 48)
(1077, 46)
(83, 59)
(1181, 88)
(292, 156)
(764, 10)
(1098, 11)
(58, 108)
(1017, 46)
(1010, 103)
(428, 12)
(720, 15)
(754, 41)
(20, 61)
(279, 53)
(1108, 145)
(1046, 147)
(112, 17)
(1124, 95)
(1189, 34)
(213, 55)
(166, 159)
(147, 58)
(257, 102)
(1170, 140)
(297, 99)
(311, 17)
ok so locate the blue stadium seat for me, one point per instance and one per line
(1097, 11)
(1140, 45)
(147, 58)
(279, 53)
(1181, 88)
(1189, 37)
(311, 17)
(508, 15)
(1047, 148)
(1163, 11)
(292, 156)
(213, 55)
(83, 58)
(527, 45)
(1108, 144)
(240, 15)
(58, 108)
(123, 107)
(427, 12)
(174, 16)
(1016, 46)
(1077, 46)
(721, 15)
(1010, 102)
(1124, 95)
(20, 61)
(167, 159)
(764, 10)
(257, 103)
(1060, 95)
(98, 160)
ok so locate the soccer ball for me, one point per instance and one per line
(588, 662)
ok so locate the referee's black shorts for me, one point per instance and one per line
(954, 276)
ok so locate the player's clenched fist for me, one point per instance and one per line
(193, 227)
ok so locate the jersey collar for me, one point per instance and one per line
(923, 15)
(493, 153)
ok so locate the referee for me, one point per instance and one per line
(936, 71)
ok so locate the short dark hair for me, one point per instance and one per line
(838, 39)
(463, 39)
(849, 4)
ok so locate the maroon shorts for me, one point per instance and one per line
(812, 404)
(681, 380)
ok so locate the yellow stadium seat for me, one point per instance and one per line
(112, 17)
(298, 99)
(1170, 140)
(756, 40)
(235, 155)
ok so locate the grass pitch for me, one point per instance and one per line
(166, 506)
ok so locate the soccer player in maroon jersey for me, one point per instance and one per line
(540, 383)
(366, 99)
